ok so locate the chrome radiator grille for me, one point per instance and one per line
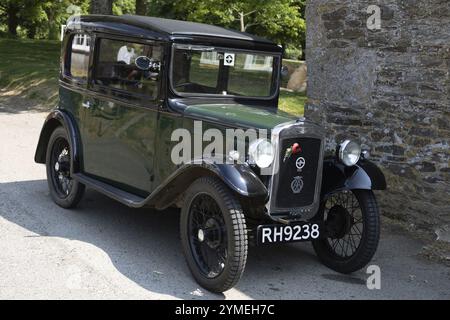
(296, 184)
(297, 176)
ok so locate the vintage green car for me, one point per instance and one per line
(161, 113)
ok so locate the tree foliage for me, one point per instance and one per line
(10, 14)
(101, 7)
(37, 18)
(280, 20)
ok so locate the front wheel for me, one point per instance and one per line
(352, 223)
(213, 235)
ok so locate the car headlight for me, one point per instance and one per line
(349, 153)
(261, 153)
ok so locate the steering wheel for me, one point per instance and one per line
(134, 83)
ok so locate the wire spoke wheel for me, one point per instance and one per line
(208, 235)
(343, 217)
(213, 234)
(60, 167)
(352, 225)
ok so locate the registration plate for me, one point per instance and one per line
(288, 233)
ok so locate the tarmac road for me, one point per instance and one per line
(104, 250)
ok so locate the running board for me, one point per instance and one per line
(126, 198)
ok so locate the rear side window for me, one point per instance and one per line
(79, 57)
(131, 67)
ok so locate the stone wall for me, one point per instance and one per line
(389, 88)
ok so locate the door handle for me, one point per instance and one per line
(87, 104)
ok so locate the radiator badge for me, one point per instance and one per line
(297, 185)
(294, 149)
(300, 163)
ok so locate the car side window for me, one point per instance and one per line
(131, 67)
(80, 51)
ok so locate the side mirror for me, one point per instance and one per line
(284, 72)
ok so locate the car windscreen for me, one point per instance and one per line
(211, 71)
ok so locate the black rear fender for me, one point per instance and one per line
(55, 119)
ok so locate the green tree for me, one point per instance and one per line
(55, 12)
(38, 18)
(280, 20)
(101, 7)
(124, 7)
(10, 14)
(164, 9)
(142, 7)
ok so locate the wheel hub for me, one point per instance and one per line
(60, 164)
(339, 222)
(201, 235)
(208, 236)
(213, 236)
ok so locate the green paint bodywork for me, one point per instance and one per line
(120, 144)
(240, 116)
(130, 146)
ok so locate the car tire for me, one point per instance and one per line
(65, 191)
(368, 241)
(222, 218)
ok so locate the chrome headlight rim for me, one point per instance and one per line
(344, 153)
(257, 158)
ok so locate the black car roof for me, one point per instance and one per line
(168, 28)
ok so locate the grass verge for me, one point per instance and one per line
(29, 69)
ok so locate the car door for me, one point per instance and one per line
(122, 112)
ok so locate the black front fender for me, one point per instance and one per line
(55, 119)
(240, 178)
(365, 175)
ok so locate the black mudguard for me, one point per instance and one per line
(364, 175)
(238, 177)
(54, 119)
(241, 179)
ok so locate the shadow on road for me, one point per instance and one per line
(144, 245)
(14, 102)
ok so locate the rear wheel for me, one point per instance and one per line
(64, 191)
(213, 235)
(352, 224)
